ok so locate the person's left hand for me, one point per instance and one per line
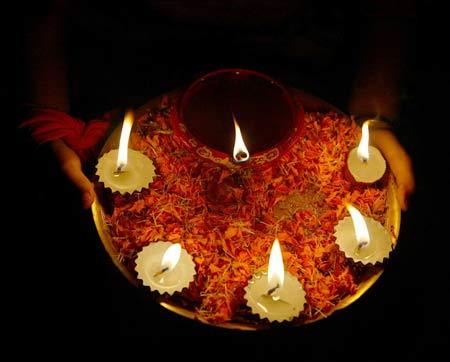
(399, 162)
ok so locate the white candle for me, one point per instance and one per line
(165, 267)
(125, 170)
(362, 239)
(366, 163)
(276, 295)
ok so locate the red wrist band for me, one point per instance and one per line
(51, 124)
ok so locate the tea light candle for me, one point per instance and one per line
(276, 295)
(165, 267)
(366, 163)
(125, 170)
(362, 239)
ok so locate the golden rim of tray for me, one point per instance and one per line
(392, 223)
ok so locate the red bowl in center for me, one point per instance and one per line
(269, 120)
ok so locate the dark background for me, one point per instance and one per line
(65, 283)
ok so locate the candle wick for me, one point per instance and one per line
(361, 245)
(119, 170)
(364, 159)
(163, 270)
(241, 156)
(271, 291)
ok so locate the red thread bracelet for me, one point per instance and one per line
(51, 124)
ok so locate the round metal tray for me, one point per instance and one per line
(173, 304)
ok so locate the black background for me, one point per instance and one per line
(64, 282)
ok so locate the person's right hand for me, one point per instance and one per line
(70, 165)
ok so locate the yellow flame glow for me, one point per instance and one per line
(363, 147)
(122, 158)
(240, 151)
(171, 257)
(275, 275)
(361, 231)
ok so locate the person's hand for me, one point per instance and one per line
(71, 166)
(399, 162)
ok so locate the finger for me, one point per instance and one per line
(71, 166)
(402, 197)
(74, 173)
(87, 198)
(401, 167)
(400, 164)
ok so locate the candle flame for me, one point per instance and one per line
(361, 231)
(122, 158)
(363, 147)
(275, 275)
(240, 152)
(171, 257)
